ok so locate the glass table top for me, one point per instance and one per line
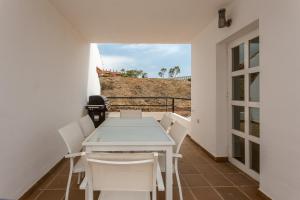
(126, 131)
(116, 121)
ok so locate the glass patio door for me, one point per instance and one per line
(244, 104)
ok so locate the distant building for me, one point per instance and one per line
(188, 78)
(108, 73)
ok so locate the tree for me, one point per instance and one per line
(163, 71)
(134, 73)
(144, 75)
(171, 72)
(140, 73)
(176, 70)
(160, 74)
(123, 70)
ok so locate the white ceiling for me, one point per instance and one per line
(139, 21)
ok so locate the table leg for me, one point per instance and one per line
(89, 193)
(86, 193)
(169, 174)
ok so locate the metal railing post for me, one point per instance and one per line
(173, 105)
(166, 104)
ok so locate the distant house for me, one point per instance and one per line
(108, 73)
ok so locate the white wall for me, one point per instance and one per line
(43, 81)
(93, 79)
(280, 85)
(280, 88)
(209, 88)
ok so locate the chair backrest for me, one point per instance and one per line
(166, 121)
(178, 133)
(72, 137)
(86, 125)
(131, 114)
(122, 171)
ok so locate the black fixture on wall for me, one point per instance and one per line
(223, 22)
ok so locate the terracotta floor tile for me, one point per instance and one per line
(184, 162)
(217, 180)
(197, 172)
(210, 161)
(46, 182)
(206, 169)
(240, 179)
(33, 195)
(187, 195)
(77, 195)
(182, 182)
(65, 170)
(187, 169)
(51, 195)
(195, 180)
(60, 182)
(50, 177)
(96, 195)
(66, 167)
(198, 160)
(252, 192)
(226, 168)
(231, 193)
(205, 193)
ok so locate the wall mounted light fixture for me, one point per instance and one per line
(223, 22)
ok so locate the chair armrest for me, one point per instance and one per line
(177, 155)
(159, 179)
(83, 184)
(161, 154)
(73, 155)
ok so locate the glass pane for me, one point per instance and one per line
(254, 121)
(254, 87)
(254, 52)
(254, 156)
(238, 88)
(238, 118)
(238, 58)
(238, 148)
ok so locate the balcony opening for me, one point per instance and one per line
(150, 77)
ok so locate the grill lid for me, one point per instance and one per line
(97, 100)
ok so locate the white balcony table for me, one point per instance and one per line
(146, 134)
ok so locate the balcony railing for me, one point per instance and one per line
(152, 104)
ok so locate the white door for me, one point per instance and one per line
(244, 104)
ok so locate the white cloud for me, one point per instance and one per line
(117, 62)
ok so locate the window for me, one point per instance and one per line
(244, 105)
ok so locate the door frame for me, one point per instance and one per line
(246, 104)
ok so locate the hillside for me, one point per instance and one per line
(146, 87)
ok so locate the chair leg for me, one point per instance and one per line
(69, 179)
(79, 177)
(178, 179)
(154, 194)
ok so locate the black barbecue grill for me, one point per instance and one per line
(97, 107)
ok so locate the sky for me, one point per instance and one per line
(147, 57)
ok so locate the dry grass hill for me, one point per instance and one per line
(147, 87)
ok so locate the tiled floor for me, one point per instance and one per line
(201, 178)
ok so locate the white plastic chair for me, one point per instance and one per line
(123, 176)
(73, 138)
(178, 133)
(86, 125)
(131, 114)
(166, 121)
